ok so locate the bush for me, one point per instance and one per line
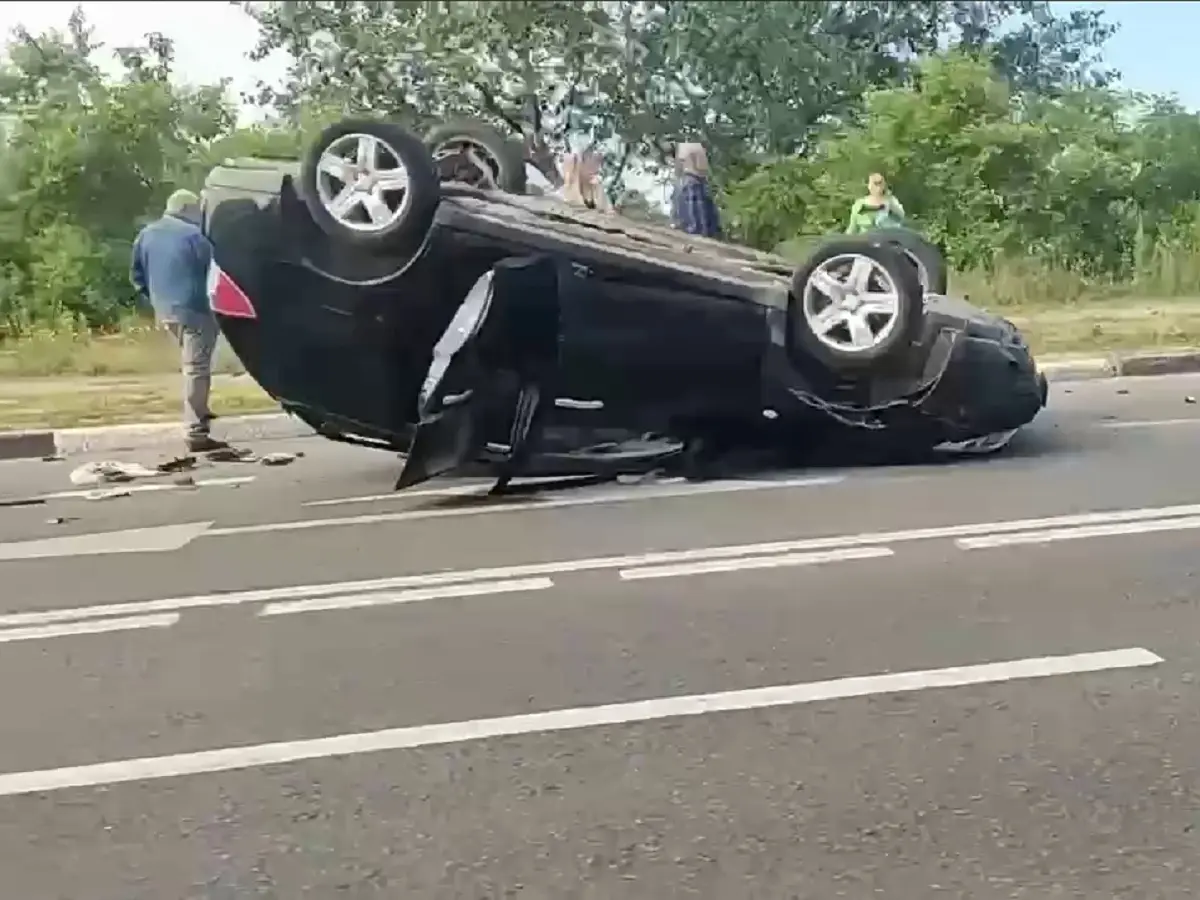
(1069, 191)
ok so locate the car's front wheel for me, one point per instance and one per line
(856, 307)
(371, 186)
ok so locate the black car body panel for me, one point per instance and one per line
(623, 328)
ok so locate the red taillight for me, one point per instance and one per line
(225, 297)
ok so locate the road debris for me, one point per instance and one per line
(232, 454)
(178, 464)
(108, 494)
(110, 472)
(278, 458)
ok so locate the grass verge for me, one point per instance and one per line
(1096, 328)
(40, 403)
(138, 350)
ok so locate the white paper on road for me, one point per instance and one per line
(247, 757)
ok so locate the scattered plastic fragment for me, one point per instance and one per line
(109, 472)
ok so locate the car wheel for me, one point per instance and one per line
(477, 154)
(856, 306)
(923, 254)
(370, 185)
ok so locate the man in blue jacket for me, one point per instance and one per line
(170, 269)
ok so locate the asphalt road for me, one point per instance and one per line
(970, 680)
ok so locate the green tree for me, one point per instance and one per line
(1083, 178)
(86, 159)
(750, 79)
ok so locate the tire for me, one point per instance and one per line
(930, 263)
(892, 335)
(503, 157)
(414, 205)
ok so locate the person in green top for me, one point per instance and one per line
(879, 209)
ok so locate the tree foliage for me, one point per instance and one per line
(1084, 178)
(87, 157)
(996, 121)
(750, 78)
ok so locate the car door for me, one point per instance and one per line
(448, 432)
(637, 347)
(503, 338)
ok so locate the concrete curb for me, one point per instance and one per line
(26, 444)
(104, 438)
(1173, 363)
(1123, 365)
(1078, 369)
(280, 426)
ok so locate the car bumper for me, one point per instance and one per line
(990, 381)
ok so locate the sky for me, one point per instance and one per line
(212, 38)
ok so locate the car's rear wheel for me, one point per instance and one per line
(925, 257)
(371, 185)
(473, 153)
(856, 307)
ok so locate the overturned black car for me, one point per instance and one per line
(386, 296)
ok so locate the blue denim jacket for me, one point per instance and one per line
(170, 268)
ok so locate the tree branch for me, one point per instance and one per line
(618, 176)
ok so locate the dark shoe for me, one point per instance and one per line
(203, 443)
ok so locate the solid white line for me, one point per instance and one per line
(152, 488)
(1150, 423)
(459, 490)
(594, 564)
(246, 757)
(1051, 535)
(685, 489)
(94, 626)
(135, 540)
(357, 601)
(754, 562)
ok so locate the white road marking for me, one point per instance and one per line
(595, 564)
(227, 759)
(754, 562)
(151, 488)
(416, 595)
(92, 626)
(459, 490)
(684, 489)
(162, 539)
(1051, 535)
(1151, 423)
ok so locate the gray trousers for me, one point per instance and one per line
(197, 344)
